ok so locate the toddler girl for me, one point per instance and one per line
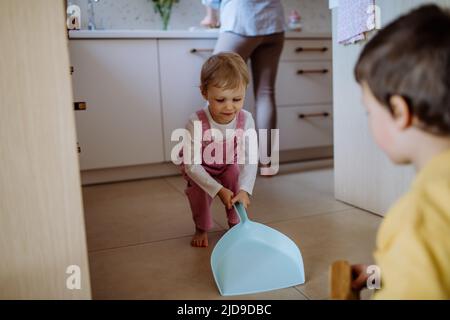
(224, 80)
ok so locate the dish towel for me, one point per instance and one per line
(355, 17)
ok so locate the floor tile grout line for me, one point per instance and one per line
(289, 219)
(224, 229)
(173, 187)
(147, 242)
(367, 211)
(214, 220)
(277, 221)
(307, 216)
(303, 294)
(306, 295)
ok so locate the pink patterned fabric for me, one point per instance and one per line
(355, 17)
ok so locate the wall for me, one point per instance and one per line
(139, 14)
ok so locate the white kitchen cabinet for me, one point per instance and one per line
(180, 66)
(364, 175)
(304, 95)
(180, 77)
(305, 126)
(139, 88)
(304, 50)
(180, 80)
(119, 81)
(301, 83)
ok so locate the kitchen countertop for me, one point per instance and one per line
(172, 34)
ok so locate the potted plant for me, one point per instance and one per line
(164, 8)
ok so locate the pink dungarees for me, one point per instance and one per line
(226, 174)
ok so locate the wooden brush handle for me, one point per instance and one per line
(341, 281)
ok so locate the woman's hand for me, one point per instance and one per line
(359, 276)
(211, 19)
(243, 198)
(226, 195)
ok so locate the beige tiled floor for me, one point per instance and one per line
(139, 233)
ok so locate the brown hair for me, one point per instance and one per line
(410, 57)
(224, 70)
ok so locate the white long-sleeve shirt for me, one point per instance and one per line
(200, 176)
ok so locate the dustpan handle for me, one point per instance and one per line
(239, 207)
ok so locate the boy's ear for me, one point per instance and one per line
(204, 92)
(402, 114)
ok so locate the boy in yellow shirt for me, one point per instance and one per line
(404, 72)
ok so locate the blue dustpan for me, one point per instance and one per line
(252, 257)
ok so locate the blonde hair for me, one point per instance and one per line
(225, 70)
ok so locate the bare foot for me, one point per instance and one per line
(200, 238)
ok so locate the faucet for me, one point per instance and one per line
(91, 14)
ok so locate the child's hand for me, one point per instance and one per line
(226, 195)
(243, 198)
(359, 276)
(210, 20)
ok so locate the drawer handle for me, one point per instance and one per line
(301, 49)
(321, 71)
(80, 106)
(313, 115)
(195, 50)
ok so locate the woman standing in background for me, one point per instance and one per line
(254, 29)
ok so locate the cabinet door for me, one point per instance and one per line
(303, 83)
(364, 176)
(42, 226)
(305, 126)
(180, 79)
(119, 81)
(306, 50)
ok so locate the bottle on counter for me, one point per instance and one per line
(294, 23)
